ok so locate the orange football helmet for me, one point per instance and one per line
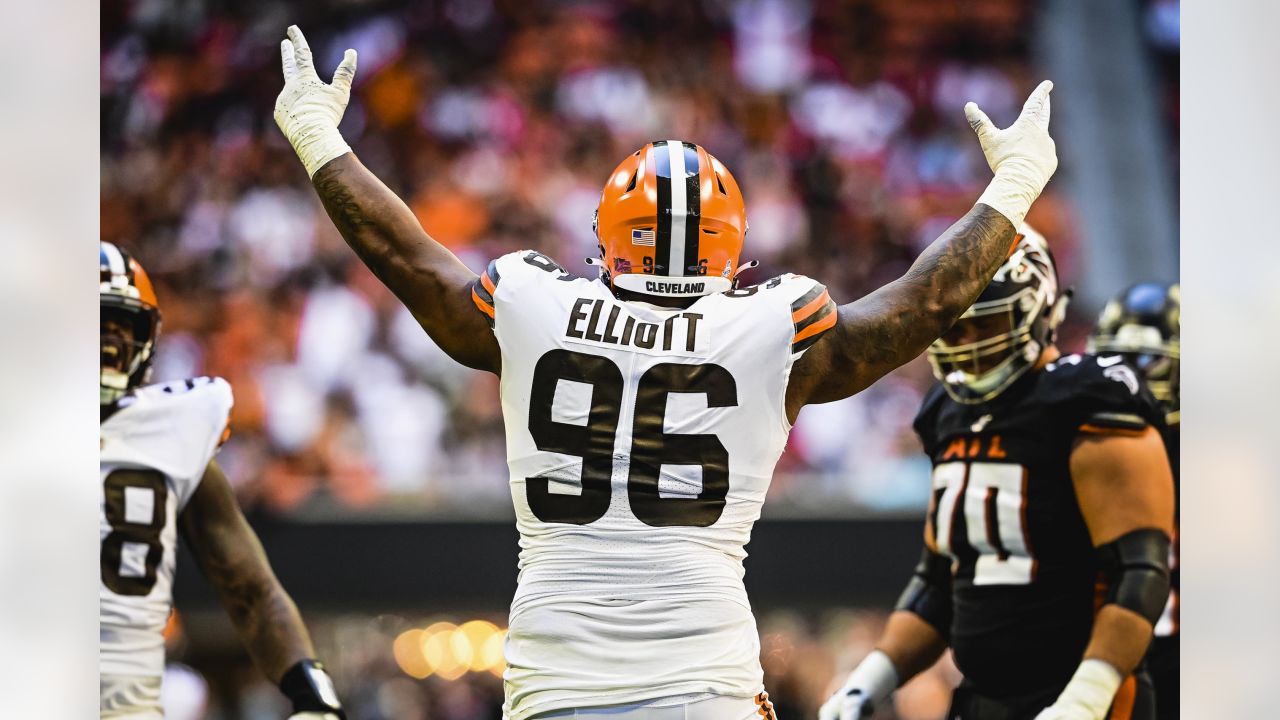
(130, 322)
(671, 210)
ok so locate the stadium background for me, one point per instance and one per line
(373, 466)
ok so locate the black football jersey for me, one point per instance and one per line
(1005, 511)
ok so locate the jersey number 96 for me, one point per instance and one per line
(651, 446)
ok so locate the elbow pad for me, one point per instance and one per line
(928, 594)
(1136, 567)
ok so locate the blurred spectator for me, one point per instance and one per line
(497, 121)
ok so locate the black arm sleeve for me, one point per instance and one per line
(1136, 566)
(928, 594)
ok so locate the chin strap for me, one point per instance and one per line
(743, 268)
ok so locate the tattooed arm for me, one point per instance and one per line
(231, 558)
(894, 324)
(428, 279)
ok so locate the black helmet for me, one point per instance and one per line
(1142, 324)
(1004, 332)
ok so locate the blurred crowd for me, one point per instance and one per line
(497, 121)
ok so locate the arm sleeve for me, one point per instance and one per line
(928, 593)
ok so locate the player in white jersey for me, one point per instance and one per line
(158, 477)
(645, 408)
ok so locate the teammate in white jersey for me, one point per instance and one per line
(645, 409)
(158, 477)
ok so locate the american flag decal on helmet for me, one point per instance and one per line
(643, 236)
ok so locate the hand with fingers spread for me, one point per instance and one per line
(1022, 156)
(308, 110)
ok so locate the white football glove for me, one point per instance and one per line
(847, 704)
(870, 684)
(308, 110)
(1088, 695)
(1022, 156)
(313, 716)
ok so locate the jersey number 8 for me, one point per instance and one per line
(130, 535)
(651, 445)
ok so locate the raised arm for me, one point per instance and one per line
(889, 327)
(231, 558)
(428, 279)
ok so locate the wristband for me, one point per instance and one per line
(1092, 688)
(1015, 186)
(317, 145)
(875, 676)
(310, 688)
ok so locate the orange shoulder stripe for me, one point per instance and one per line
(488, 284)
(814, 305)
(822, 325)
(485, 307)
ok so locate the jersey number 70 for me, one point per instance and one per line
(992, 497)
(651, 446)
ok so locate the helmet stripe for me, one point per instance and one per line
(662, 174)
(115, 259)
(693, 208)
(679, 209)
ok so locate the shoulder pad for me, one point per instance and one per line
(174, 427)
(785, 285)
(1101, 394)
(813, 312)
(526, 263)
(516, 268)
(926, 418)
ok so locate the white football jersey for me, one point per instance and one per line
(155, 448)
(641, 441)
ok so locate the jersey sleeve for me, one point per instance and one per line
(194, 415)
(509, 272)
(813, 312)
(209, 416)
(1104, 396)
(926, 419)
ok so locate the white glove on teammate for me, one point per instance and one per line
(1088, 695)
(847, 704)
(307, 110)
(870, 684)
(1022, 156)
(313, 716)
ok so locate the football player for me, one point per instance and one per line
(158, 479)
(1142, 326)
(1046, 545)
(645, 408)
